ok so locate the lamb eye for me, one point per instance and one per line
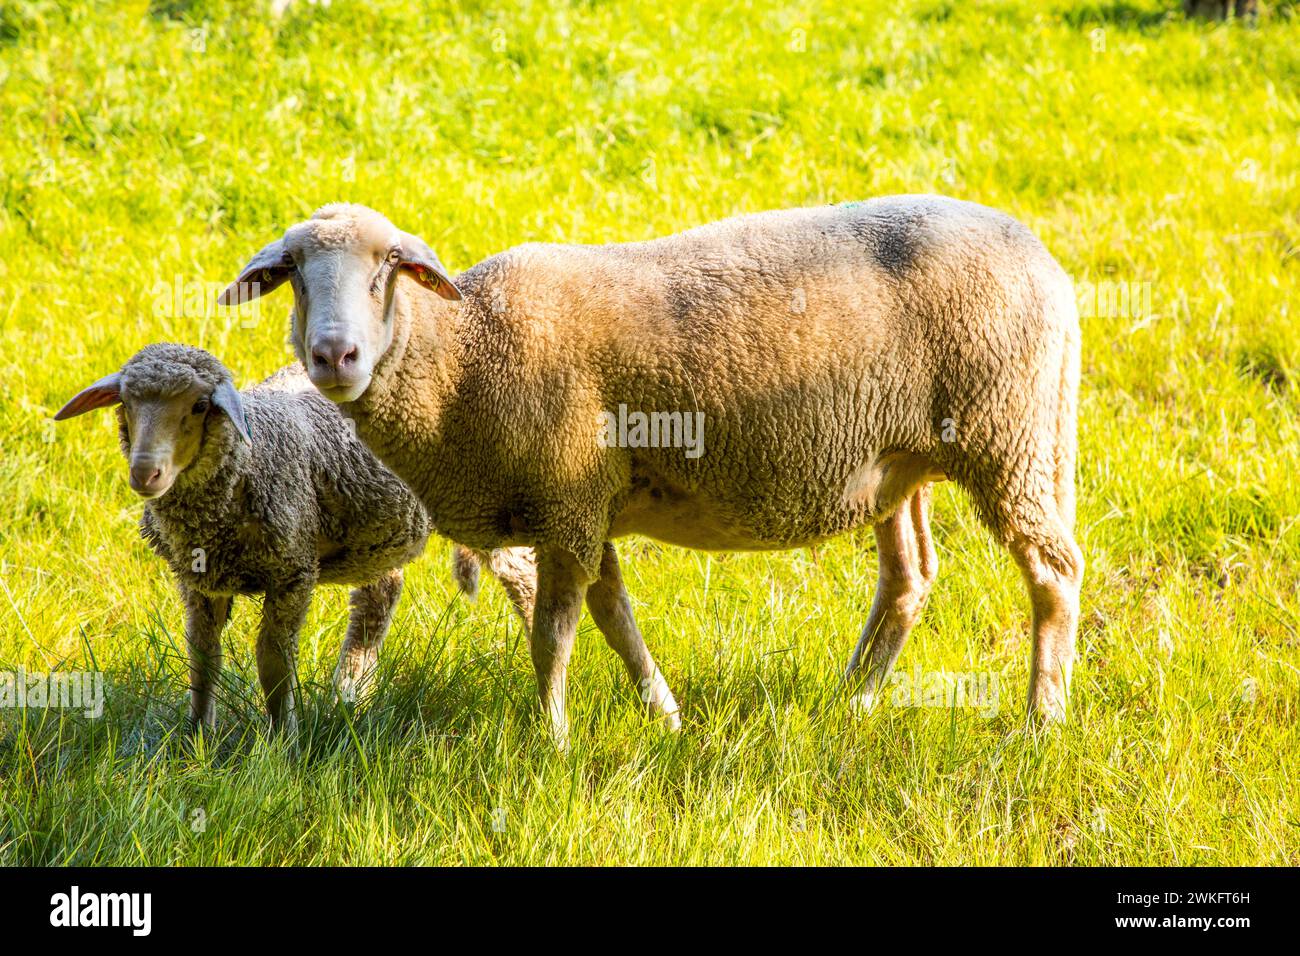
(200, 406)
(394, 256)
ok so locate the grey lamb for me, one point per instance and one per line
(267, 492)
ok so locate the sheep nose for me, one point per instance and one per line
(146, 477)
(335, 354)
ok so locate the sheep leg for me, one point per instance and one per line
(561, 586)
(372, 613)
(908, 566)
(611, 609)
(1053, 571)
(277, 652)
(516, 570)
(205, 617)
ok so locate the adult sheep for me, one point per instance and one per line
(843, 358)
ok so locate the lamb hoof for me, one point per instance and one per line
(283, 733)
(353, 682)
(346, 692)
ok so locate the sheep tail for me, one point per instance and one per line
(465, 568)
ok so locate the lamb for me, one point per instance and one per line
(844, 358)
(265, 492)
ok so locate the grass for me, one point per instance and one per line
(149, 145)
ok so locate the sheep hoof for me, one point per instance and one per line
(204, 725)
(1046, 701)
(659, 701)
(353, 679)
(345, 693)
(863, 704)
(283, 733)
(558, 734)
(347, 690)
(1047, 711)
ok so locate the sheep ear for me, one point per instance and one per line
(419, 260)
(107, 391)
(228, 400)
(264, 273)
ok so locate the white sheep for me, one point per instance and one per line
(842, 358)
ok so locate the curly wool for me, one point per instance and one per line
(830, 350)
(306, 502)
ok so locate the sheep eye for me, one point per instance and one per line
(200, 406)
(394, 256)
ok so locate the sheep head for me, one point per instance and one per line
(167, 396)
(343, 264)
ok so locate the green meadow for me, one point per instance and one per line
(147, 150)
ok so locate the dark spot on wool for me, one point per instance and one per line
(893, 242)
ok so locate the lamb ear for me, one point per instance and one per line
(107, 391)
(227, 399)
(419, 260)
(264, 273)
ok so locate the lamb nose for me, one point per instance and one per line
(146, 477)
(333, 354)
